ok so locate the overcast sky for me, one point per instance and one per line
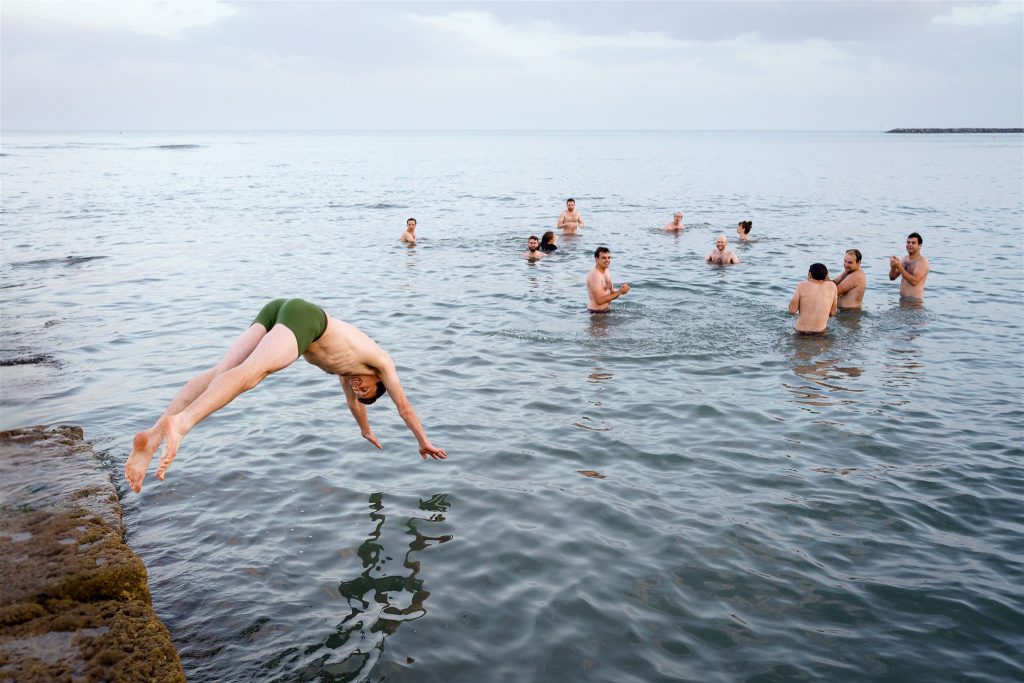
(213, 64)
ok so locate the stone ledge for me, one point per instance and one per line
(74, 602)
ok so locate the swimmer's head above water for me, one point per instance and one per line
(818, 271)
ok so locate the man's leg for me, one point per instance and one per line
(276, 350)
(146, 442)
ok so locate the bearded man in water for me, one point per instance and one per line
(282, 331)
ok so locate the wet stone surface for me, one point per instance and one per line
(74, 603)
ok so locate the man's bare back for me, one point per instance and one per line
(814, 301)
(346, 351)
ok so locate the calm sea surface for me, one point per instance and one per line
(769, 508)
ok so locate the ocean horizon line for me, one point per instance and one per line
(448, 130)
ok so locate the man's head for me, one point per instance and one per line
(746, 226)
(367, 388)
(570, 203)
(818, 271)
(721, 242)
(532, 243)
(410, 224)
(603, 256)
(914, 242)
(851, 261)
(677, 216)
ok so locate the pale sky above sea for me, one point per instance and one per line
(219, 65)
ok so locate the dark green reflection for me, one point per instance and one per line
(380, 598)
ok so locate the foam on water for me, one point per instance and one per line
(768, 507)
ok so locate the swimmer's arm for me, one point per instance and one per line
(734, 259)
(894, 267)
(562, 222)
(844, 284)
(794, 303)
(835, 303)
(389, 376)
(359, 413)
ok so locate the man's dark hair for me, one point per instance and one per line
(532, 237)
(381, 390)
(855, 252)
(601, 250)
(920, 240)
(570, 199)
(410, 219)
(819, 271)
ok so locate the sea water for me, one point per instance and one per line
(680, 490)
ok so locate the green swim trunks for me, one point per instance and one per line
(306, 321)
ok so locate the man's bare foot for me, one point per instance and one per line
(143, 447)
(173, 435)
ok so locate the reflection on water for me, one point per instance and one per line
(903, 362)
(815, 362)
(600, 325)
(379, 600)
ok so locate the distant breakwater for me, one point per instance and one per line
(956, 130)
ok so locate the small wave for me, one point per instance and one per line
(177, 146)
(383, 205)
(36, 359)
(66, 261)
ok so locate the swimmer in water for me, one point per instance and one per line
(600, 292)
(547, 242)
(721, 255)
(852, 282)
(676, 224)
(533, 248)
(570, 222)
(282, 331)
(814, 301)
(743, 229)
(410, 232)
(913, 268)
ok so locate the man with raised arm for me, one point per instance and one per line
(570, 221)
(676, 224)
(814, 301)
(721, 255)
(852, 282)
(600, 292)
(913, 269)
(284, 330)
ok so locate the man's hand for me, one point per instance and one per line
(368, 435)
(624, 289)
(428, 448)
(894, 262)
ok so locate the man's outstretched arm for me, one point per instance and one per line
(389, 376)
(359, 413)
